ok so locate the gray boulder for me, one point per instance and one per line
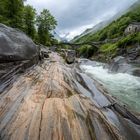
(15, 45)
(70, 56)
(120, 64)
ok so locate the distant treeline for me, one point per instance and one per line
(16, 14)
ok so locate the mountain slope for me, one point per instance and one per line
(116, 28)
(100, 25)
(92, 30)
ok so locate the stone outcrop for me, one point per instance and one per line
(54, 102)
(70, 56)
(15, 45)
(134, 27)
(125, 65)
(119, 64)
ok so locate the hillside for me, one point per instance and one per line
(92, 30)
(113, 40)
(116, 28)
(101, 25)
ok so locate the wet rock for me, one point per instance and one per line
(44, 52)
(133, 53)
(48, 102)
(122, 65)
(119, 64)
(15, 45)
(136, 72)
(70, 56)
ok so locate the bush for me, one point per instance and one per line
(128, 40)
(86, 51)
(109, 49)
(137, 38)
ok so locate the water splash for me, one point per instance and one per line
(122, 85)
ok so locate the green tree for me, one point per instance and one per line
(11, 13)
(29, 21)
(15, 13)
(46, 23)
(3, 12)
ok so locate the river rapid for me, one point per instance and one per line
(123, 86)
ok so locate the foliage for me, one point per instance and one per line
(116, 28)
(29, 21)
(3, 17)
(46, 23)
(66, 47)
(126, 40)
(86, 51)
(11, 13)
(109, 49)
(17, 15)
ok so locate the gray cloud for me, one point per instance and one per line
(74, 15)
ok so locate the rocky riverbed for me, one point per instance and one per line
(56, 101)
(51, 100)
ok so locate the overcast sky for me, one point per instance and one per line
(74, 16)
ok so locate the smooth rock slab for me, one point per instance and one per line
(42, 104)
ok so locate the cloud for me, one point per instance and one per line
(74, 16)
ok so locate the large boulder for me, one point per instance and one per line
(15, 45)
(121, 65)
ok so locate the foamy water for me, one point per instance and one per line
(122, 85)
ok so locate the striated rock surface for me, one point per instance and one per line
(54, 102)
(15, 45)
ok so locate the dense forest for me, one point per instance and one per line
(17, 14)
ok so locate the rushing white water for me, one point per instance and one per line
(121, 85)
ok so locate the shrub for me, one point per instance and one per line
(86, 51)
(109, 49)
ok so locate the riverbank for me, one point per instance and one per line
(122, 85)
(57, 101)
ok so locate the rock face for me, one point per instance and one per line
(15, 45)
(132, 28)
(119, 64)
(55, 102)
(70, 56)
(122, 65)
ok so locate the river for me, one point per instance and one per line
(123, 86)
